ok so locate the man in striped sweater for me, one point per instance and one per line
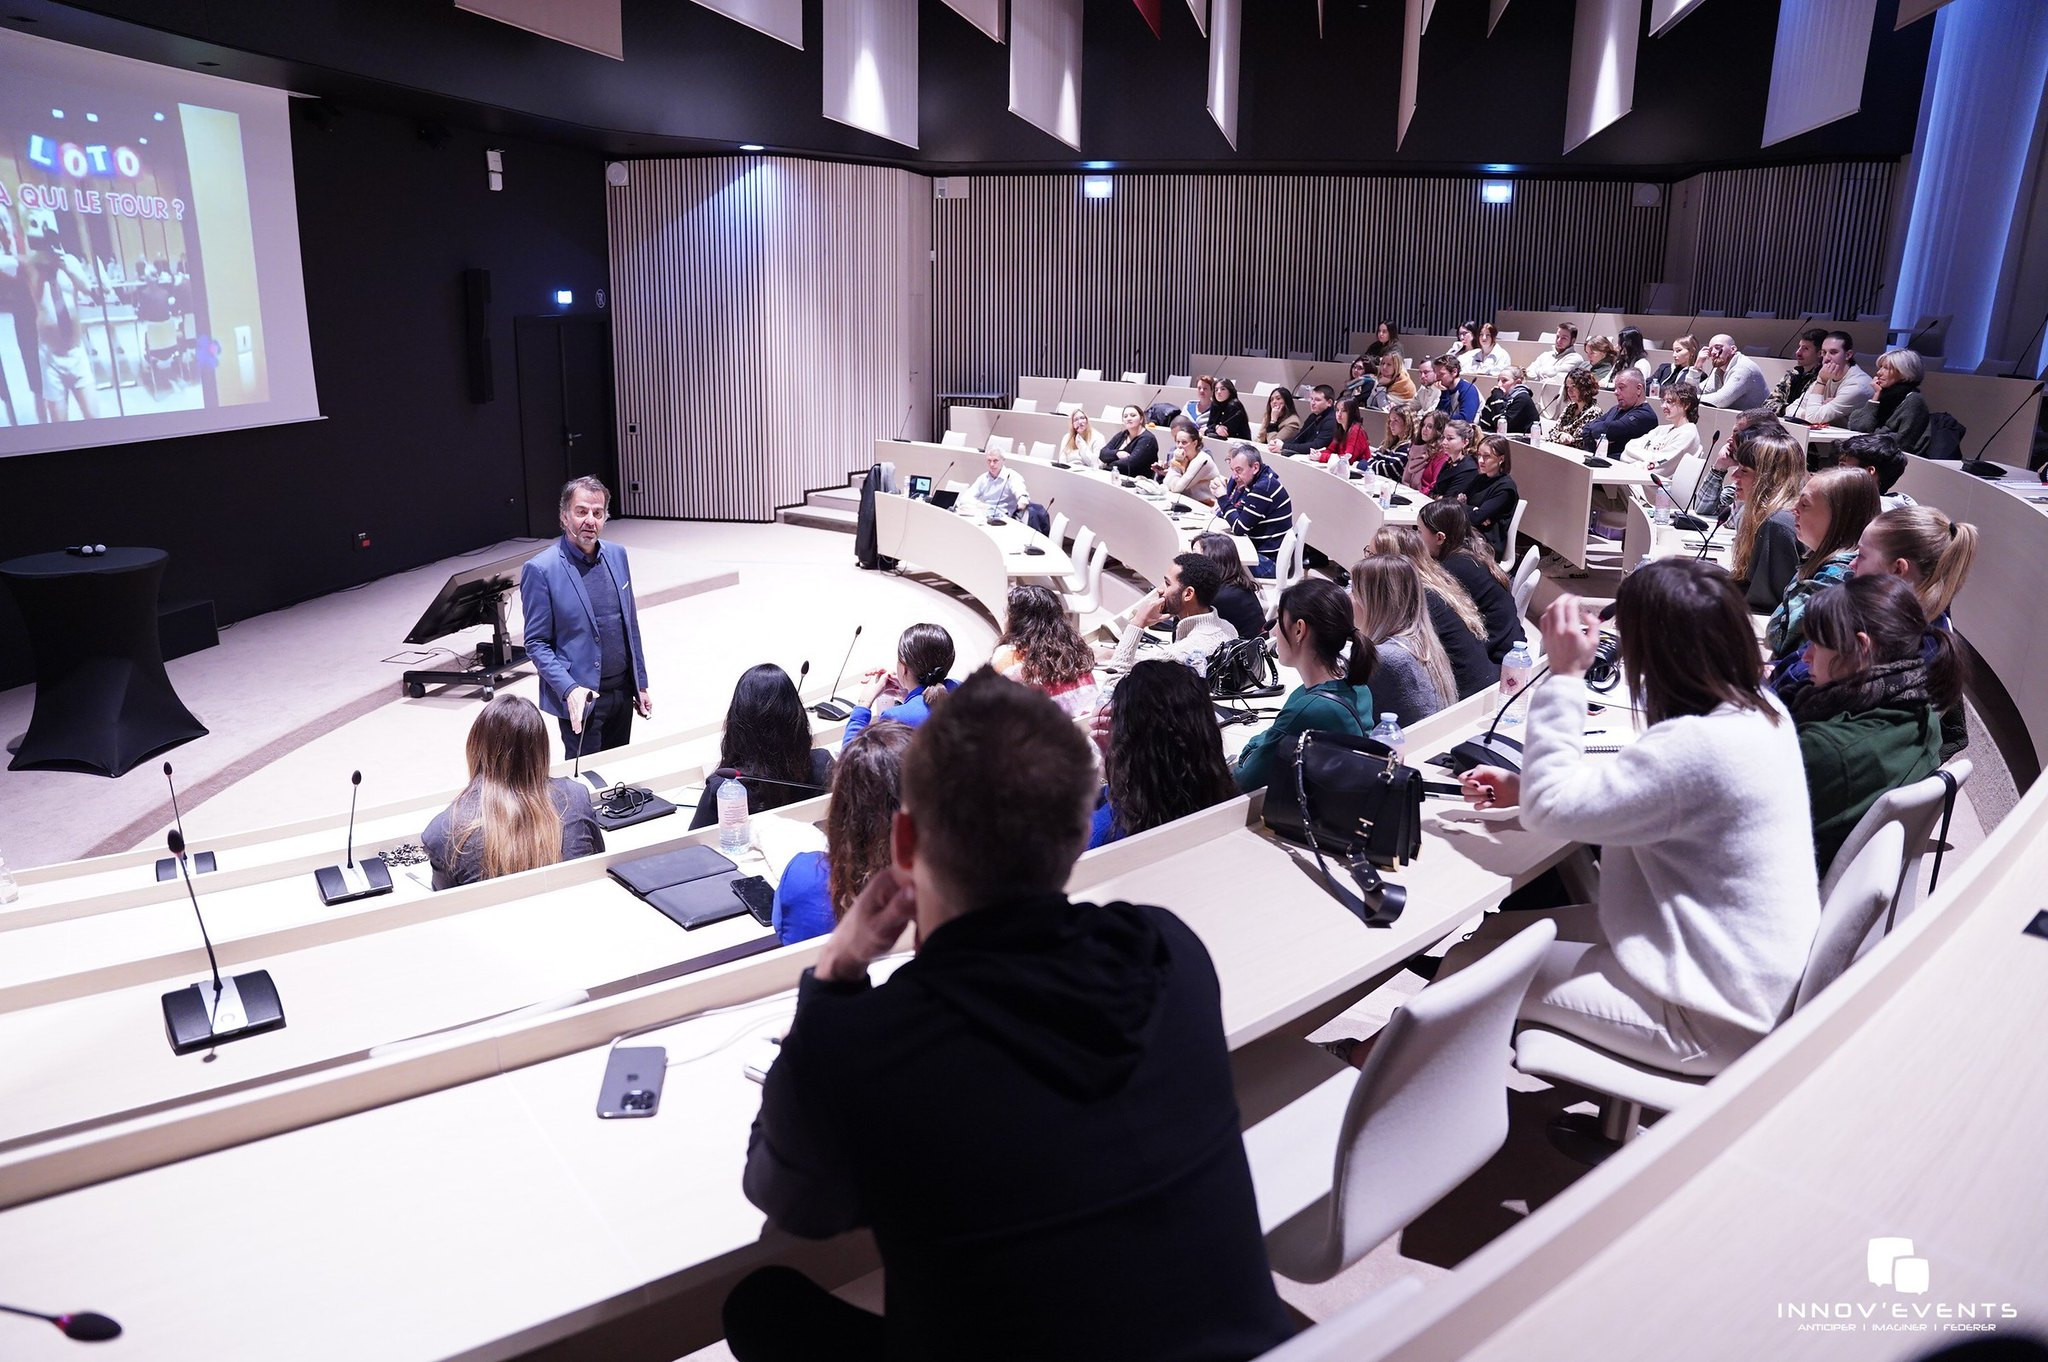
(1256, 506)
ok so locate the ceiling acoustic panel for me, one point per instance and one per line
(1603, 75)
(986, 15)
(1665, 13)
(593, 25)
(779, 19)
(1912, 11)
(1045, 66)
(1817, 66)
(869, 54)
(1411, 66)
(1495, 9)
(1200, 9)
(1225, 28)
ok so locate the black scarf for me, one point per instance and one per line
(1888, 685)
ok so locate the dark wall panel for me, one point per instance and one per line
(1792, 239)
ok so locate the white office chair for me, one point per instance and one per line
(1424, 1113)
(1916, 811)
(1133, 376)
(1507, 335)
(1685, 479)
(1112, 412)
(1001, 444)
(1084, 542)
(1638, 534)
(1357, 1329)
(1524, 582)
(1180, 380)
(1847, 915)
(1025, 404)
(1067, 408)
(1041, 449)
(1089, 375)
(1058, 533)
(1301, 355)
(1287, 564)
(1761, 316)
(1080, 605)
(1259, 390)
(1507, 546)
(954, 439)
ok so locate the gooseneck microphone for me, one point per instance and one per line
(84, 1325)
(734, 773)
(1707, 540)
(347, 882)
(1680, 518)
(1038, 550)
(838, 707)
(1492, 749)
(201, 862)
(244, 1005)
(1984, 468)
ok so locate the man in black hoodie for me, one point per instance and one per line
(1034, 1115)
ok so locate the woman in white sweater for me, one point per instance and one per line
(1708, 902)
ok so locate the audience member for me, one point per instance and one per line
(1427, 389)
(1459, 626)
(1899, 407)
(1391, 459)
(1468, 343)
(1491, 498)
(768, 735)
(1510, 403)
(1805, 364)
(1581, 408)
(1429, 428)
(1188, 598)
(1682, 367)
(1563, 356)
(1732, 382)
(1077, 1048)
(1932, 554)
(1880, 457)
(1458, 397)
(1227, 419)
(1000, 489)
(1868, 722)
(1361, 382)
(1838, 388)
(1601, 356)
(510, 817)
(1189, 471)
(1766, 475)
(1197, 409)
(1081, 443)
(1412, 674)
(1320, 426)
(817, 887)
(1386, 336)
(1678, 439)
(1713, 494)
(1632, 354)
(1237, 599)
(1256, 506)
(1489, 356)
(1708, 900)
(1453, 469)
(1394, 383)
(1349, 442)
(1629, 418)
(1134, 450)
(1282, 422)
(1828, 518)
(924, 656)
(1311, 631)
(1447, 530)
(1162, 753)
(1041, 649)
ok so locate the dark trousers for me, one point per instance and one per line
(608, 724)
(779, 1313)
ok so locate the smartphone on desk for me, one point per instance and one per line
(758, 895)
(632, 1081)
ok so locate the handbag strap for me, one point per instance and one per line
(1393, 897)
(1948, 809)
(1349, 700)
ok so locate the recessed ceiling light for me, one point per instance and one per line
(752, 146)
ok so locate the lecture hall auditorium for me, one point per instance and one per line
(1324, 680)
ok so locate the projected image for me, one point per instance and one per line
(127, 272)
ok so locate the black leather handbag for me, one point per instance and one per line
(1352, 797)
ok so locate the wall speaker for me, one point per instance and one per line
(476, 334)
(1648, 195)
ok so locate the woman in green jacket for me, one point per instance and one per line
(1871, 720)
(1313, 626)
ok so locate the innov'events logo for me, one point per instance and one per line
(1891, 1264)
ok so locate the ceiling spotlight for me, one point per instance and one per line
(752, 146)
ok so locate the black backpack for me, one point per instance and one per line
(1944, 438)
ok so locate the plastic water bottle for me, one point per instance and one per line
(732, 817)
(1600, 448)
(1388, 731)
(9, 890)
(1514, 675)
(1500, 425)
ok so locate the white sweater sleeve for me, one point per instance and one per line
(1628, 800)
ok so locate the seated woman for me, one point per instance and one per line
(1694, 951)
(1390, 460)
(510, 817)
(1452, 469)
(1869, 722)
(1669, 445)
(1361, 382)
(1447, 530)
(1190, 472)
(1395, 385)
(1350, 443)
(1631, 353)
(1932, 554)
(1582, 404)
(1898, 406)
(817, 887)
(1459, 626)
(767, 734)
(1510, 404)
(1429, 428)
(1601, 356)
(1282, 421)
(1227, 418)
(1134, 450)
(1682, 367)
(1080, 444)
(1042, 650)
(1237, 600)
(1767, 470)
(1162, 754)
(1386, 336)
(1489, 356)
(1491, 497)
(1411, 671)
(924, 655)
(1310, 633)
(1828, 518)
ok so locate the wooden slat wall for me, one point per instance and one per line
(1792, 239)
(770, 319)
(1033, 278)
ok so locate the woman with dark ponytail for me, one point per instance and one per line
(907, 691)
(1447, 530)
(1871, 719)
(1313, 628)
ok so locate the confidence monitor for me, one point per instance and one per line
(150, 282)
(469, 598)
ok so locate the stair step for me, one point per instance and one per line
(836, 498)
(819, 518)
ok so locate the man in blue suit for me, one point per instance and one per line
(582, 630)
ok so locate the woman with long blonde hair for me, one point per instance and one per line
(1414, 676)
(511, 816)
(1459, 626)
(1769, 467)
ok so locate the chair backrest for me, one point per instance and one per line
(1638, 533)
(1301, 354)
(1356, 1330)
(1089, 375)
(1293, 553)
(1431, 1103)
(954, 439)
(1507, 545)
(1025, 404)
(1133, 376)
(1685, 480)
(1180, 380)
(1002, 444)
(1112, 412)
(1058, 532)
(1507, 335)
(1041, 449)
(1068, 408)
(1851, 909)
(1916, 809)
(1525, 579)
(1259, 390)
(1084, 541)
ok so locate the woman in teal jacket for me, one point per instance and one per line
(1313, 626)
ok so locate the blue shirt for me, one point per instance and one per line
(803, 899)
(1102, 828)
(914, 710)
(1461, 400)
(615, 662)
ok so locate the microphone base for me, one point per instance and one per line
(1499, 750)
(833, 710)
(367, 878)
(200, 863)
(248, 1006)
(1982, 468)
(1689, 522)
(1595, 461)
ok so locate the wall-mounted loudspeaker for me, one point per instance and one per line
(476, 334)
(615, 174)
(1648, 195)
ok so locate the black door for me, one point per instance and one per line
(565, 410)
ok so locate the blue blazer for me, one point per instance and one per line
(561, 630)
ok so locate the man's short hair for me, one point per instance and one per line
(1001, 784)
(584, 484)
(1200, 576)
(1326, 392)
(1814, 336)
(1880, 453)
(1251, 453)
(1630, 371)
(1569, 328)
(1848, 341)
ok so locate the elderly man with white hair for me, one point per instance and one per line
(1733, 381)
